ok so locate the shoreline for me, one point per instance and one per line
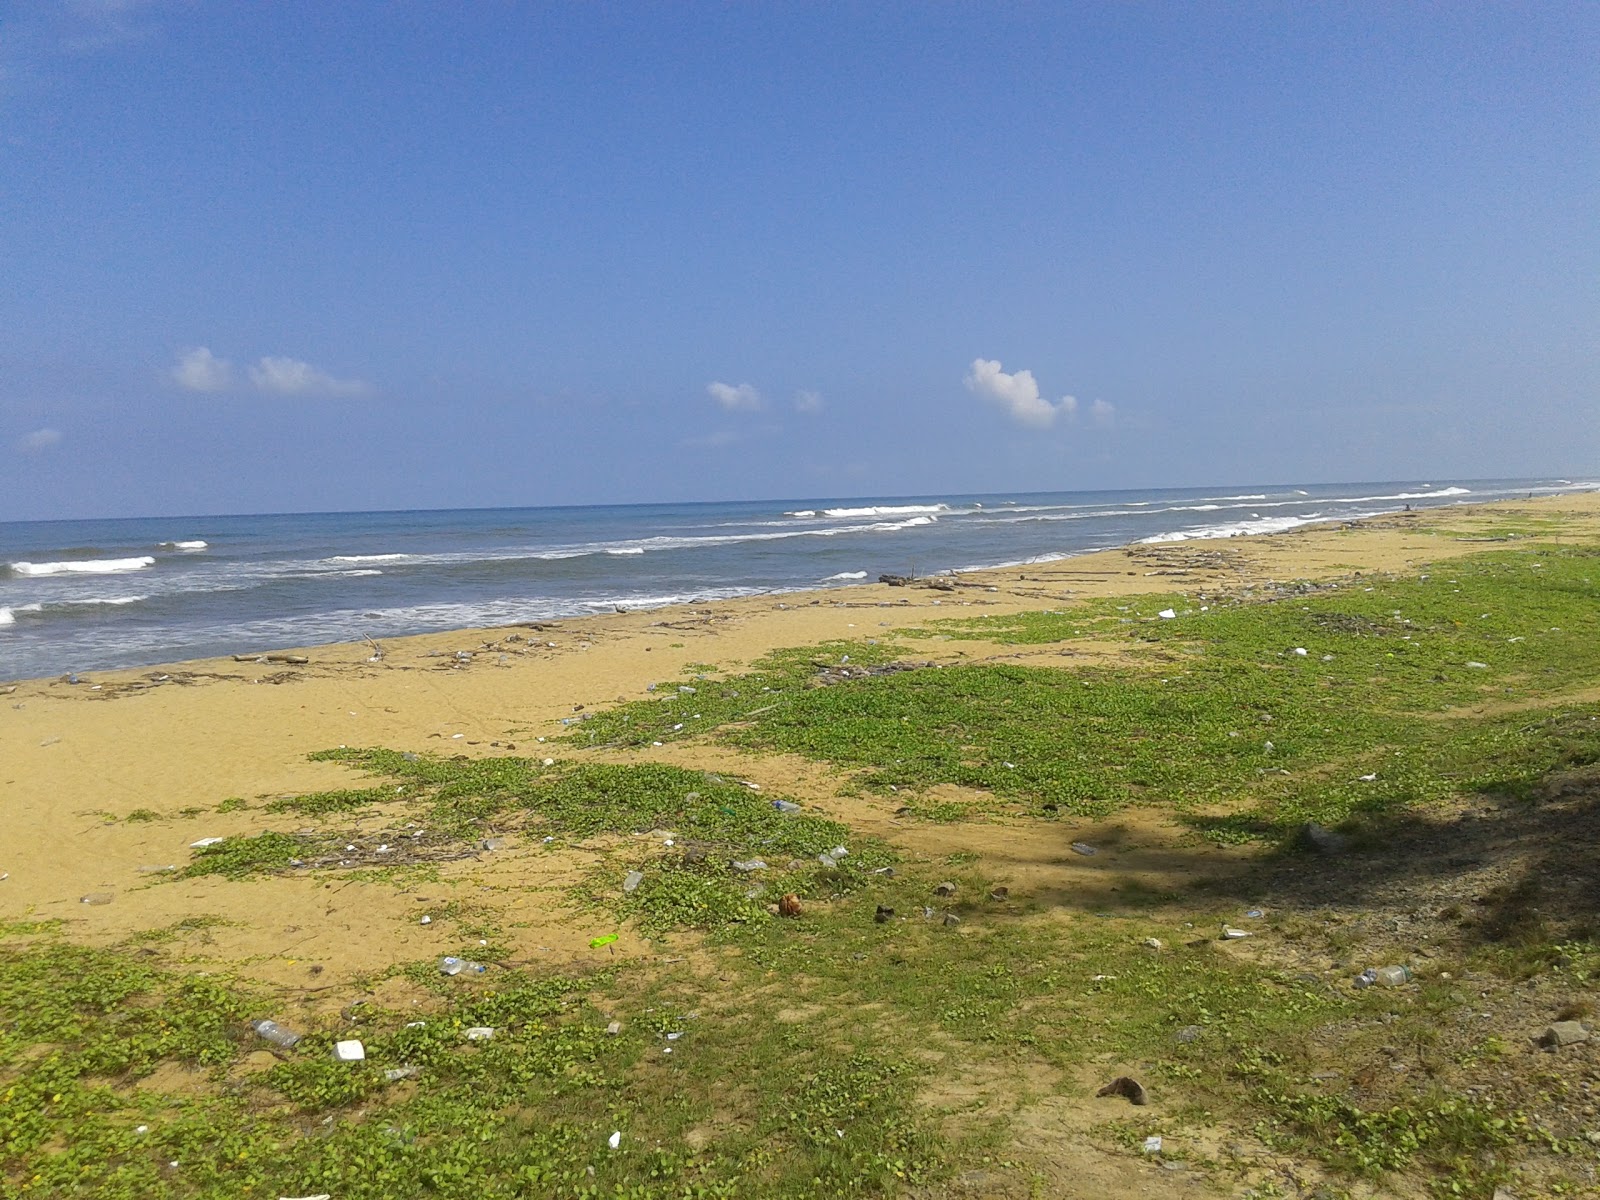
(123, 771)
(1001, 576)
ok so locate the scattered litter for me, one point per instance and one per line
(1152, 1144)
(675, 1035)
(615, 1139)
(1125, 1085)
(828, 860)
(1383, 976)
(98, 898)
(318, 1196)
(349, 1051)
(945, 889)
(1166, 614)
(1300, 650)
(839, 852)
(153, 869)
(549, 762)
(950, 918)
(614, 1028)
(882, 915)
(1154, 943)
(1324, 841)
(493, 843)
(605, 939)
(748, 864)
(754, 787)
(1000, 893)
(632, 880)
(206, 841)
(1188, 1033)
(426, 920)
(786, 806)
(1084, 849)
(1229, 933)
(480, 1033)
(1366, 778)
(275, 1033)
(451, 965)
(1255, 914)
(396, 1074)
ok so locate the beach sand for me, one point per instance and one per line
(176, 741)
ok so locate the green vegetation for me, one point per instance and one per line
(1216, 708)
(893, 1034)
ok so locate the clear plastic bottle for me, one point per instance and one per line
(451, 965)
(1393, 976)
(275, 1033)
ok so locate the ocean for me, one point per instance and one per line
(98, 594)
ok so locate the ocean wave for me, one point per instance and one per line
(627, 550)
(92, 566)
(195, 544)
(1235, 529)
(871, 510)
(7, 617)
(368, 558)
(849, 575)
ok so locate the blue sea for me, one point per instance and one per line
(92, 595)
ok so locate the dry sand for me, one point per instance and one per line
(76, 760)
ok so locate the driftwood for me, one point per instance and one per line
(293, 660)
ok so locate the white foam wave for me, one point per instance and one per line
(885, 510)
(7, 617)
(114, 601)
(1236, 529)
(195, 544)
(627, 550)
(367, 558)
(88, 566)
(849, 575)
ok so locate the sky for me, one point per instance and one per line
(301, 256)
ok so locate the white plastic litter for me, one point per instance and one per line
(615, 1139)
(204, 842)
(349, 1051)
(1166, 614)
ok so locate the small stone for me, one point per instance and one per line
(789, 906)
(1153, 943)
(614, 1028)
(945, 889)
(98, 898)
(349, 1051)
(1564, 1033)
(883, 914)
(1084, 849)
(1189, 1033)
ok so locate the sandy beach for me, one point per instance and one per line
(175, 741)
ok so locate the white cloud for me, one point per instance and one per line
(39, 441)
(735, 398)
(808, 402)
(199, 370)
(1102, 413)
(291, 377)
(1017, 394)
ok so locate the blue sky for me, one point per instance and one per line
(299, 256)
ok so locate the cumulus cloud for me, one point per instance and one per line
(199, 370)
(291, 377)
(808, 402)
(1102, 413)
(1017, 394)
(39, 441)
(734, 397)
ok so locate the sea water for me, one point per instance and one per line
(88, 595)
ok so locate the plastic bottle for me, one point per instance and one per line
(1393, 976)
(451, 965)
(275, 1033)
